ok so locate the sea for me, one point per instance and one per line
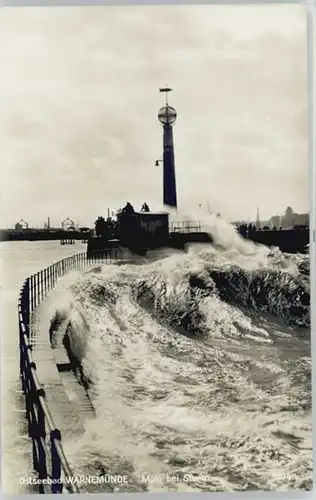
(198, 366)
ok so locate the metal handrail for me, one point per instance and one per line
(184, 226)
(46, 452)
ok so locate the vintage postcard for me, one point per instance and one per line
(155, 249)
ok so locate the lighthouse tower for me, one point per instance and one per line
(167, 116)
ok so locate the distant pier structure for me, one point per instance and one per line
(68, 225)
(167, 115)
(21, 225)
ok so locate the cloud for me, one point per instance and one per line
(79, 107)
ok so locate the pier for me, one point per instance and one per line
(143, 231)
(49, 412)
(32, 234)
(287, 240)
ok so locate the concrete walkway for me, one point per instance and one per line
(67, 400)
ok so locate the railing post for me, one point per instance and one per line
(31, 415)
(38, 288)
(26, 305)
(21, 350)
(35, 291)
(31, 292)
(56, 464)
(22, 358)
(41, 435)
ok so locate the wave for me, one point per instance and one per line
(185, 374)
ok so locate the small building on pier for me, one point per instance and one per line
(143, 229)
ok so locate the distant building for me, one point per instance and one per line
(292, 219)
(301, 219)
(21, 225)
(289, 220)
(68, 224)
(275, 221)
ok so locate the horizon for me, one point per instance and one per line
(203, 213)
(79, 98)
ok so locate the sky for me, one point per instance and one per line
(79, 101)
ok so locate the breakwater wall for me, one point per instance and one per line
(49, 460)
(288, 240)
(41, 235)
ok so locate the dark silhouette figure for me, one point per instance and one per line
(128, 209)
(100, 226)
(105, 228)
(251, 229)
(110, 228)
(242, 229)
(145, 207)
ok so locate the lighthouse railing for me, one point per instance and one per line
(185, 227)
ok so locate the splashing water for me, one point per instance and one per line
(199, 368)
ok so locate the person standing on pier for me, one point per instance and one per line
(145, 207)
